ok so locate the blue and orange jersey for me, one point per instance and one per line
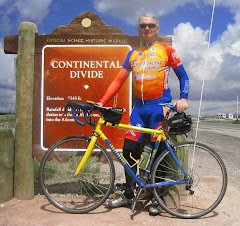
(150, 66)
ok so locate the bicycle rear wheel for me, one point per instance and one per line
(76, 193)
(207, 180)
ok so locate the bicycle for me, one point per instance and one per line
(77, 173)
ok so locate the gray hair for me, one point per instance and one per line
(151, 15)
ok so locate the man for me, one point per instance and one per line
(150, 66)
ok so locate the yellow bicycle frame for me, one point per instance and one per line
(98, 132)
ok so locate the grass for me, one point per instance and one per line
(236, 122)
(222, 121)
(55, 171)
(8, 118)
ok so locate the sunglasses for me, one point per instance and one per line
(147, 25)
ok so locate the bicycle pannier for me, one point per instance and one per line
(179, 123)
(113, 115)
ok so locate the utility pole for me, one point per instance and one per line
(237, 108)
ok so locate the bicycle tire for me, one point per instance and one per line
(206, 188)
(76, 193)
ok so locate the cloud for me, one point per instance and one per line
(35, 10)
(22, 10)
(221, 60)
(12, 11)
(233, 5)
(7, 84)
(222, 69)
(3, 2)
(131, 10)
(6, 73)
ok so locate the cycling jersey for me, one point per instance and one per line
(150, 65)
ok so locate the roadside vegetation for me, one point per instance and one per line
(222, 121)
(8, 118)
(236, 122)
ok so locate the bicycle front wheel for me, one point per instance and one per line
(76, 193)
(206, 182)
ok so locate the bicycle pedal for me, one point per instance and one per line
(191, 192)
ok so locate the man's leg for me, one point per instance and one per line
(155, 208)
(130, 147)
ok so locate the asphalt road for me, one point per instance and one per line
(225, 140)
(220, 128)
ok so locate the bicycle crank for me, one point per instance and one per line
(135, 200)
(189, 186)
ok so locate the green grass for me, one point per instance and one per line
(222, 121)
(57, 173)
(236, 122)
(8, 118)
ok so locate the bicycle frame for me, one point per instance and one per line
(160, 136)
(186, 193)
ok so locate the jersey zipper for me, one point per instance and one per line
(144, 66)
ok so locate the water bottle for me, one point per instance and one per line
(146, 154)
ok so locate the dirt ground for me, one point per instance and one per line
(39, 211)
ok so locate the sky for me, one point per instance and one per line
(217, 62)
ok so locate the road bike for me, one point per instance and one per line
(77, 173)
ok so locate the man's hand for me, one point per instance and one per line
(99, 104)
(181, 104)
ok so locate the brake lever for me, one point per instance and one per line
(86, 118)
(66, 108)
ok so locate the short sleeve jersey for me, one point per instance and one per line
(150, 66)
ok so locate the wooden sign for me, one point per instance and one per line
(79, 73)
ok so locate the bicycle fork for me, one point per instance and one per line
(88, 151)
(86, 155)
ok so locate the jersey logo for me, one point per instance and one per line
(174, 56)
(140, 54)
(152, 55)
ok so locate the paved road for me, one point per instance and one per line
(225, 140)
(220, 128)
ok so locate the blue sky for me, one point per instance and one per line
(187, 21)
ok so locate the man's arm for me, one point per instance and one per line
(182, 103)
(114, 86)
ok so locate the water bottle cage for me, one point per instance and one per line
(143, 165)
(131, 166)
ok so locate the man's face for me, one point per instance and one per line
(148, 33)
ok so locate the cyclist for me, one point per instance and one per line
(150, 66)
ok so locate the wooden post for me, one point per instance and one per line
(6, 164)
(24, 178)
(171, 197)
